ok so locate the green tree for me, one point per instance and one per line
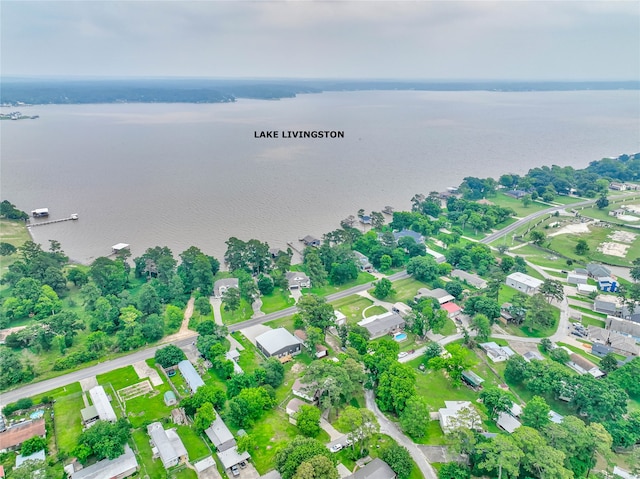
(105, 439)
(315, 311)
(539, 459)
(32, 468)
(173, 316)
(169, 356)
(203, 306)
(209, 393)
(581, 247)
(274, 372)
(249, 406)
(539, 314)
(457, 361)
(383, 288)
(399, 460)
(265, 285)
(318, 467)
(454, 470)
(308, 420)
(415, 418)
(602, 202)
(314, 267)
(481, 324)
(560, 355)
(626, 377)
(205, 415)
(149, 301)
(552, 289)
(501, 453)
(78, 277)
(537, 237)
(496, 401)
(231, 299)
(395, 387)
(609, 363)
(360, 425)
(7, 249)
(245, 443)
(297, 451)
(423, 268)
(109, 275)
(33, 445)
(432, 350)
(536, 413)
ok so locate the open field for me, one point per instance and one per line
(406, 289)
(330, 289)
(516, 205)
(244, 312)
(279, 299)
(67, 419)
(352, 307)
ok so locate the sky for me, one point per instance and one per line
(508, 40)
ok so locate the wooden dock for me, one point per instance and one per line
(73, 217)
(290, 244)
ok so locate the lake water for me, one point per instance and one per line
(193, 174)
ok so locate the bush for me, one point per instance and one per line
(169, 356)
(24, 403)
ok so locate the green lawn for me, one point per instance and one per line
(250, 358)
(328, 289)
(279, 299)
(434, 435)
(286, 322)
(13, 232)
(352, 307)
(373, 310)
(67, 419)
(448, 329)
(119, 378)
(149, 407)
(582, 352)
(196, 447)
(509, 202)
(406, 289)
(588, 311)
(589, 321)
(244, 312)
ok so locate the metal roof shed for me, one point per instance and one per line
(472, 378)
(190, 375)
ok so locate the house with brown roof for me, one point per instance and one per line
(13, 437)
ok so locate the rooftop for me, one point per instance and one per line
(109, 467)
(219, 433)
(16, 435)
(231, 457)
(530, 281)
(102, 404)
(376, 469)
(190, 375)
(276, 339)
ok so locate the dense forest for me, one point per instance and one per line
(75, 91)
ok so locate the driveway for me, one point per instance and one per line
(389, 428)
(252, 332)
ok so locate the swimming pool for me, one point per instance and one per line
(400, 337)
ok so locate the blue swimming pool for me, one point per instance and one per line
(400, 337)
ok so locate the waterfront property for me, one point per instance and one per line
(523, 282)
(278, 343)
(364, 263)
(413, 234)
(297, 280)
(222, 285)
(311, 241)
(116, 248)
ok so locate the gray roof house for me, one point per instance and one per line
(439, 257)
(364, 263)
(600, 350)
(472, 279)
(166, 445)
(190, 375)
(220, 435)
(278, 343)
(523, 282)
(36, 456)
(576, 278)
(380, 325)
(122, 466)
(311, 241)
(597, 270)
(102, 404)
(376, 469)
(222, 285)
(297, 280)
(413, 234)
(440, 294)
(308, 391)
(507, 422)
(608, 304)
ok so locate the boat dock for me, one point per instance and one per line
(290, 244)
(73, 217)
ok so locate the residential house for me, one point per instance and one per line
(496, 353)
(363, 262)
(600, 350)
(517, 194)
(340, 318)
(608, 304)
(617, 212)
(439, 257)
(618, 336)
(231, 457)
(523, 282)
(577, 278)
(311, 241)
(607, 284)
(402, 309)
(220, 435)
(507, 422)
(597, 270)
(222, 285)
(586, 289)
(292, 409)
(36, 456)
(297, 280)
(308, 391)
(532, 355)
(470, 278)
(190, 375)
(617, 186)
(102, 404)
(376, 469)
(583, 366)
(89, 415)
(365, 219)
(275, 252)
(122, 466)
(405, 232)
(555, 418)
(178, 416)
(440, 294)
(456, 414)
(233, 355)
(166, 445)
(452, 309)
(278, 343)
(382, 324)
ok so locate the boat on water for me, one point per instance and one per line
(40, 213)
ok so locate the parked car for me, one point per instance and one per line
(235, 471)
(402, 354)
(336, 447)
(243, 465)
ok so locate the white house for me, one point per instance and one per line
(523, 282)
(458, 413)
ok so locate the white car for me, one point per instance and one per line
(336, 447)
(402, 354)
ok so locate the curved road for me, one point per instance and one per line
(187, 338)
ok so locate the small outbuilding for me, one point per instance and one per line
(190, 375)
(170, 398)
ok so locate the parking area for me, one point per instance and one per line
(248, 472)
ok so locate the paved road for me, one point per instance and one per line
(389, 428)
(186, 339)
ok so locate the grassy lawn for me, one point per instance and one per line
(149, 467)
(406, 289)
(13, 232)
(588, 311)
(567, 200)
(279, 299)
(180, 384)
(589, 321)
(244, 312)
(582, 352)
(184, 473)
(535, 333)
(516, 205)
(448, 329)
(328, 289)
(149, 407)
(196, 447)
(434, 435)
(373, 310)
(119, 378)
(67, 419)
(352, 307)
(286, 322)
(250, 358)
